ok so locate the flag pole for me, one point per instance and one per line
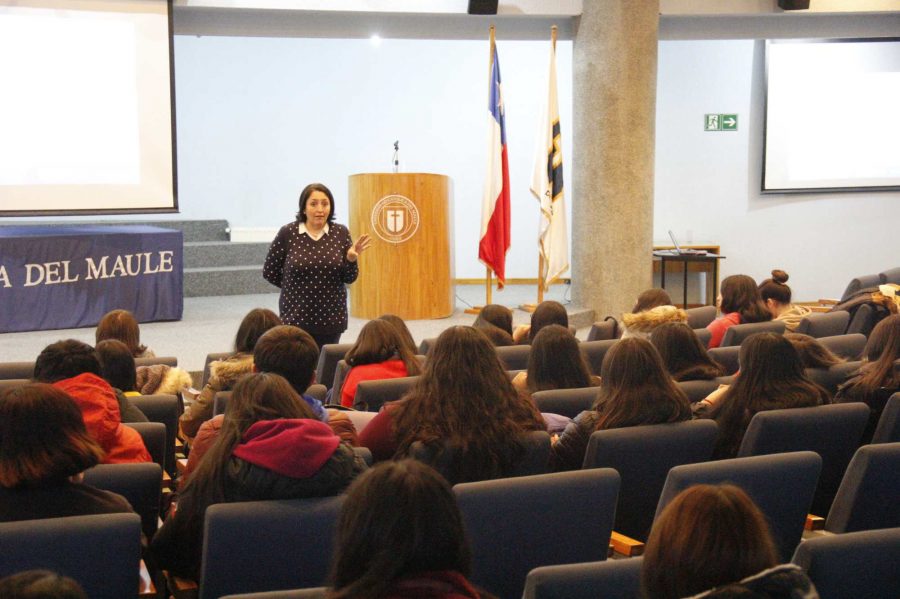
(540, 293)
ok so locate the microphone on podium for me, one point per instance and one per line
(396, 155)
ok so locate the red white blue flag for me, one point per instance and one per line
(495, 233)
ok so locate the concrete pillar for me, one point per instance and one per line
(614, 72)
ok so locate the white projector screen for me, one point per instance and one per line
(831, 115)
(86, 115)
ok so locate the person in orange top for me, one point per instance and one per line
(379, 353)
(73, 367)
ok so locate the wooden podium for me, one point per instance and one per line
(408, 269)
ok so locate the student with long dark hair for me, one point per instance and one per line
(270, 446)
(379, 353)
(546, 313)
(714, 538)
(401, 534)
(464, 401)
(776, 295)
(771, 378)
(812, 353)
(122, 326)
(555, 362)
(635, 390)
(495, 321)
(405, 336)
(739, 303)
(879, 376)
(683, 354)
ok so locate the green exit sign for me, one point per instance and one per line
(720, 122)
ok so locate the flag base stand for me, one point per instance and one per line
(528, 307)
(474, 310)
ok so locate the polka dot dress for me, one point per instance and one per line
(312, 275)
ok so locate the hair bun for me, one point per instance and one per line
(779, 276)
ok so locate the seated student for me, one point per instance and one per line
(653, 308)
(40, 584)
(683, 354)
(812, 353)
(555, 362)
(546, 313)
(379, 353)
(771, 378)
(285, 454)
(44, 450)
(879, 376)
(495, 321)
(635, 390)
(405, 336)
(117, 369)
(400, 534)
(714, 539)
(73, 367)
(223, 374)
(122, 326)
(740, 303)
(776, 295)
(465, 402)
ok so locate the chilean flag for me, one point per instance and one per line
(495, 203)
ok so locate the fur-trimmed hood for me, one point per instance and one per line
(161, 378)
(229, 370)
(644, 322)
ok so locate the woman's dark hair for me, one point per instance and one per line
(252, 327)
(256, 397)
(378, 342)
(40, 584)
(399, 519)
(121, 325)
(66, 359)
(739, 294)
(882, 350)
(812, 353)
(776, 288)
(555, 362)
(405, 336)
(495, 321)
(304, 196)
(42, 436)
(635, 388)
(709, 535)
(464, 401)
(651, 298)
(547, 313)
(771, 378)
(117, 365)
(682, 353)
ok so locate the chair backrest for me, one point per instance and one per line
(856, 564)
(566, 402)
(704, 335)
(102, 553)
(736, 334)
(849, 346)
(167, 360)
(12, 383)
(329, 355)
(514, 357)
(888, 429)
(426, 345)
(701, 316)
(594, 352)
(824, 324)
(782, 486)
(267, 545)
(604, 330)
(371, 395)
(858, 283)
(869, 495)
(153, 434)
(832, 431)
(611, 579)
(643, 456)
(863, 320)
(727, 357)
(210, 358)
(140, 484)
(830, 378)
(534, 459)
(891, 275)
(518, 524)
(16, 370)
(340, 373)
(165, 409)
(314, 593)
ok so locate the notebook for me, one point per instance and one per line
(684, 251)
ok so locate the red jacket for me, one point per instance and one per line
(100, 410)
(389, 369)
(720, 325)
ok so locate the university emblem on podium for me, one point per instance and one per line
(395, 219)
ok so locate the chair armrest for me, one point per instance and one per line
(181, 588)
(146, 588)
(814, 522)
(181, 464)
(626, 545)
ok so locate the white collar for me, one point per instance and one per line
(302, 229)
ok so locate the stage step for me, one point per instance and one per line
(225, 280)
(200, 254)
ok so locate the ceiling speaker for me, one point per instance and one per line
(792, 4)
(486, 7)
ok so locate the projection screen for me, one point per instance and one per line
(87, 113)
(831, 115)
